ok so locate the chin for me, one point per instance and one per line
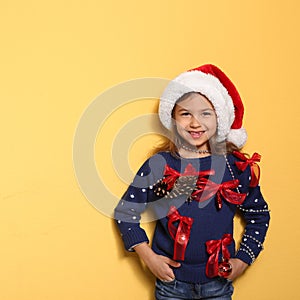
(196, 143)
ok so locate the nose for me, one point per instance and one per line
(195, 123)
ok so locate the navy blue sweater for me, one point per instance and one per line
(210, 222)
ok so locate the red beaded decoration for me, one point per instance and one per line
(225, 268)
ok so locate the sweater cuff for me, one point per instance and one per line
(245, 256)
(133, 237)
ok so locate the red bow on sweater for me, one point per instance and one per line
(181, 234)
(171, 175)
(213, 248)
(254, 168)
(207, 189)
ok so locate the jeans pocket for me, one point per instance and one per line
(171, 290)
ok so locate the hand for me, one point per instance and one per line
(238, 268)
(159, 265)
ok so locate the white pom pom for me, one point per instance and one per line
(237, 137)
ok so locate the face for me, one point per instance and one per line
(196, 121)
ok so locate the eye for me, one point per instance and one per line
(186, 113)
(207, 113)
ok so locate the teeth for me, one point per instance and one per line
(195, 134)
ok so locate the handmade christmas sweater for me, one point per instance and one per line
(194, 202)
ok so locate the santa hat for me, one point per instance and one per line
(211, 82)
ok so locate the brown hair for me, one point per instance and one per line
(170, 144)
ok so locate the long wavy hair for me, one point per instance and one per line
(173, 142)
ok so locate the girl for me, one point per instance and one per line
(194, 185)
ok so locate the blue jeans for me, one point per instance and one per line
(219, 288)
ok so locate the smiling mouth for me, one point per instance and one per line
(196, 134)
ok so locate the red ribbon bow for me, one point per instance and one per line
(181, 234)
(207, 189)
(213, 248)
(254, 168)
(172, 175)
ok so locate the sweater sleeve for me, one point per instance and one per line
(257, 217)
(135, 201)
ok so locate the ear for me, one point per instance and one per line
(174, 124)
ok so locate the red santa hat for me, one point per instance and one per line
(211, 82)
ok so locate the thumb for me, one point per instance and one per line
(173, 263)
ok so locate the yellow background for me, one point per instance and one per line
(57, 56)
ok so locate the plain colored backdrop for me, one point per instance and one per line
(57, 57)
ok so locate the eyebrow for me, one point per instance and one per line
(186, 109)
